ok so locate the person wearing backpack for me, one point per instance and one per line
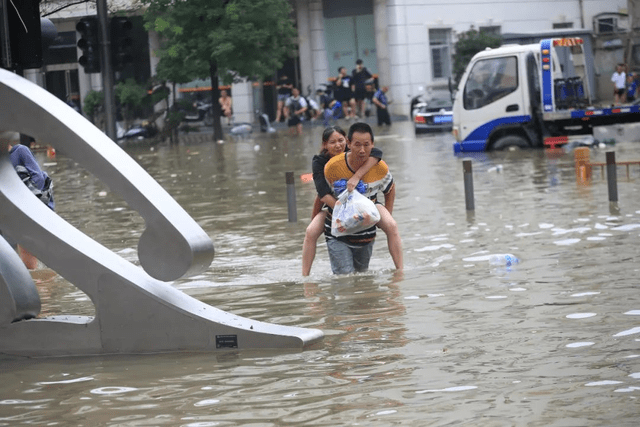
(295, 109)
(36, 180)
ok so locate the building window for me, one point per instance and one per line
(63, 50)
(562, 25)
(440, 43)
(493, 30)
(607, 25)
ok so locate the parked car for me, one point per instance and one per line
(434, 115)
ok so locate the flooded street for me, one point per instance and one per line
(453, 340)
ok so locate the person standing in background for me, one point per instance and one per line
(295, 107)
(381, 103)
(619, 79)
(226, 105)
(344, 94)
(359, 78)
(632, 87)
(283, 87)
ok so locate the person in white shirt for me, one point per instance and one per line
(295, 109)
(619, 79)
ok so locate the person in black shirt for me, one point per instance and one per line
(344, 93)
(359, 77)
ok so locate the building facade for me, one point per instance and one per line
(408, 44)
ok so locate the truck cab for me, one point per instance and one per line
(507, 97)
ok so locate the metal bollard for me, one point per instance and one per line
(468, 185)
(612, 179)
(291, 197)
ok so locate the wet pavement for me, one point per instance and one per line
(553, 340)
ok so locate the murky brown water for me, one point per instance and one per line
(552, 341)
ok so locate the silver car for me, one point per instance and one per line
(434, 115)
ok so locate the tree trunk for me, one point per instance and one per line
(215, 95)
(171, 108)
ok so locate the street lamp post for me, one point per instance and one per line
(107, 70)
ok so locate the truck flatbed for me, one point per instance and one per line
(589, 113)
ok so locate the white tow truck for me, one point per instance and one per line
(522, 96)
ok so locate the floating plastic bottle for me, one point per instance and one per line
(504, 260)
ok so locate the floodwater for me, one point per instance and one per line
(551, 341)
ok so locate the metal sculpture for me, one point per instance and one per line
(136, 312)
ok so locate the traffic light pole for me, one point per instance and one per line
(107, 70)
(6, 45)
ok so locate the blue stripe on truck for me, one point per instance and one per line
(477, 140)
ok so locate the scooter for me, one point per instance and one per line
(137, 131)
(202, 113)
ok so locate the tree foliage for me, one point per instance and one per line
(244, 38)
(221, 39)
(469, 43)
(93, 103)
(130, 95)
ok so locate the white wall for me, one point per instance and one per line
(311, 44)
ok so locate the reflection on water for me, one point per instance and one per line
(553, 340)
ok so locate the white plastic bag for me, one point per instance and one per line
(353, 213)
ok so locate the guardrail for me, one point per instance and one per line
(584, 167)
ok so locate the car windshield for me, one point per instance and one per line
(442, 103)
(438, 104)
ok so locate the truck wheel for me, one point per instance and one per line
(511, 142)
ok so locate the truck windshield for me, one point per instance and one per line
(490, 80)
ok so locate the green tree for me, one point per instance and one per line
(469, 43)
(130, 95)
(222, 39)
(93, 103)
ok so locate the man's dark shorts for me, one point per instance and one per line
(344, 94)
(294, 121)
(360, 94)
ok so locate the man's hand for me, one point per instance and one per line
(341, 185)
(351, 184)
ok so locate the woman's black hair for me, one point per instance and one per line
(326, 134)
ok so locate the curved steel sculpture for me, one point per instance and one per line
(135, 311)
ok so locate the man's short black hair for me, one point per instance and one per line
(358, 61)
(360, 127)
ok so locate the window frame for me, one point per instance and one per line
(445, 62)
(497, 93)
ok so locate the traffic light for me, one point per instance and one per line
(121, 42)
(89, 43)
